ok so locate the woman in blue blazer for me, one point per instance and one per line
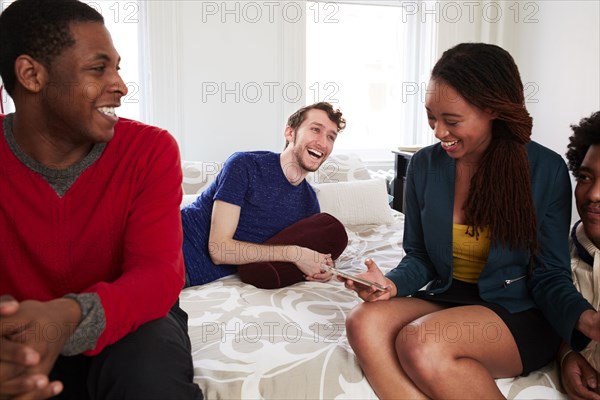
(484, 290)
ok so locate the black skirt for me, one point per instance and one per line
(536, 339)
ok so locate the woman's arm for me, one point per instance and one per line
(550, 283)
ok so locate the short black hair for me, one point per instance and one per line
(585, 134)
(40, 29)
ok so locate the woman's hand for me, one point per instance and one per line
(370, 293)
(589, 324)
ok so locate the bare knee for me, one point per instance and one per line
(358, 324)
(423, 358)
(367, 327)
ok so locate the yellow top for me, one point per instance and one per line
(469, 253)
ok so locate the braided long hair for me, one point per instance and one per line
(500, 194)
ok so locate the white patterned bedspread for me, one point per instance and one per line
(290, 343)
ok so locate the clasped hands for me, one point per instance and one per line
(32, 334)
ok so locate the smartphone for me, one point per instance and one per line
(354, 278)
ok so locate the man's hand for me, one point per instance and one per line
(313, 264)
(578, 378)
(14, 357)
(8, 305)
(32, 335)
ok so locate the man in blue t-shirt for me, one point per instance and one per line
(255, 196)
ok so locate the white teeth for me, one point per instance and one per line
(315, 153)
(449, 144)
(107, 111)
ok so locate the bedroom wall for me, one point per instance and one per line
(560, 60)
(219, 83)
(556, 45)
(208, 64)
(563, 65)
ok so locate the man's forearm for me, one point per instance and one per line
(236, 252)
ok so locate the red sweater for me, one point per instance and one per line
(115, 232)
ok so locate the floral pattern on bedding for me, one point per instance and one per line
(290, 343)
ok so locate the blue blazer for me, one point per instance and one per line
(506, 278)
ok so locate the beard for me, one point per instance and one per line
(299, 155)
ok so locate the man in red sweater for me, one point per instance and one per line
(90, 228)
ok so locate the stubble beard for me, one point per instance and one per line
(299, 159)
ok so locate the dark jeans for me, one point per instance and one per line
(153, 362)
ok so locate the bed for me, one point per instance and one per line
(290, 343)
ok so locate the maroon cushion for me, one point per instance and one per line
(320, 232)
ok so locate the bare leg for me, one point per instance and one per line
(372, 330)
(457, 353)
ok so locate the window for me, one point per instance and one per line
(124, 20)
(373, 60)
(6, 104)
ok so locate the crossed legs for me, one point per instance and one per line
(414, 349)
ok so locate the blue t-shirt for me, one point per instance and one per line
(269, 203)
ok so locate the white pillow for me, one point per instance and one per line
(339, 168)
(188, 199)
(361, 202)
(197, 175)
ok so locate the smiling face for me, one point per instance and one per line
(313, 141)
(464, 130)
(587, 194)
(84, 87)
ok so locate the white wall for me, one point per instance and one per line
(555, 43)
(559, 58)
(220, 81)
